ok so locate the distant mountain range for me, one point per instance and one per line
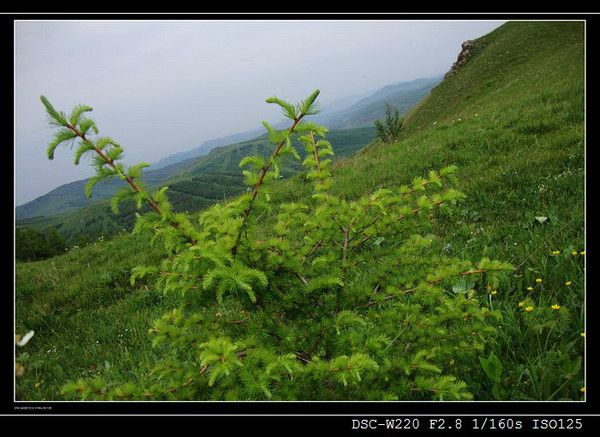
(193, 184)
(403, 95)
(206, 147)
(348, 111)
(216, 161)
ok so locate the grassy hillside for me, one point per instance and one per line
(511, 118)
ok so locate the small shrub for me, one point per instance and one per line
(389, 129)
(332, 299)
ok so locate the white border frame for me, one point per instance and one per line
(304, 401)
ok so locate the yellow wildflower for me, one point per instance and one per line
(538, 280)
(574, 253)
(582, 389)
(493, 293)
(529, 309)
(529, 288)
(555, 306)
(521, 303)
(568, 283)
(582, 252)
(582, 334)
(555, 252)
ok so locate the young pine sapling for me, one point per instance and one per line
(323, 298)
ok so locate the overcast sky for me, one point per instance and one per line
(162, 87)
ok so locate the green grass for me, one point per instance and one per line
(512, 120)
(85, 315)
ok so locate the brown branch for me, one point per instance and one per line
(368, 205)
(432, 282)
(164, 273)
(110, 162)
(302, 278)
(128, 178)
(263, 172)
(301, 358)
(345, 244)
(316, 154)
(188, 382)
(312, 250)
(239, 354)
(181, 275)
(367, 238)
(473, 272)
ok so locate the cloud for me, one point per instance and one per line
(161, 87)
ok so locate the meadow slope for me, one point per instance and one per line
(511, 119)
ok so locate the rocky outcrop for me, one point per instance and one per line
(463, 57)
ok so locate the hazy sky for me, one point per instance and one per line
(160, 87)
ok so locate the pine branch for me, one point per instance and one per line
(434, 282)
(378, 217)
(345, 244)
(263, 172)
(127, 177)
